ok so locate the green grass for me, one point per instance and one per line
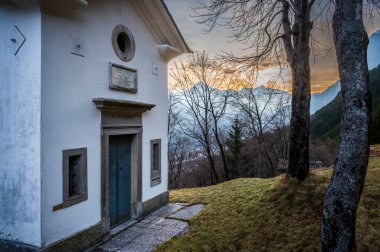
(271, 214)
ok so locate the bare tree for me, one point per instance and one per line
(272, 30)
(281, 131)
(178, 145)
(345, 189)
(263, 109)
(200, 82)
(178, 152)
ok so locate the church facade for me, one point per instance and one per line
(83, 118)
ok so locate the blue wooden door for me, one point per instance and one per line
(119, 179)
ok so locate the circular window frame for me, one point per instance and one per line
(129, 52)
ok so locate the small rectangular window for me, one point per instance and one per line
(75, 177)
(74, 173)
(155, 149)
(156, 154)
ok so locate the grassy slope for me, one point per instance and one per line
(271, 214)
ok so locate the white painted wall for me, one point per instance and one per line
(69, 117)
(20, 122)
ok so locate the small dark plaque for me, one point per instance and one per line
(123, 78)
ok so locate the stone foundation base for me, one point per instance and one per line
(10, 246)
(87, 238)
(155, 203)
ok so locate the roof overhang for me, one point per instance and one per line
(59, 5)
(157, 17)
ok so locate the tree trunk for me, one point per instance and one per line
(223, 154)
(211, 162)
(346, 185)
(300, 120)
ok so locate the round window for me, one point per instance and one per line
(123, 43)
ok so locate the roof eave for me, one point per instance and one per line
(176, 26)
(157, 17)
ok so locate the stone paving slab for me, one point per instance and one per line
(168, 209)
(154, 237)
(148, 233)
(188, 212)
(153, 230)
(144, 239)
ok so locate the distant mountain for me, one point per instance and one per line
(373, 52)
(320, 100)
(261, 94)
(326, 105)
(268, 101)
(325, 123)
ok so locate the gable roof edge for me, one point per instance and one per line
(160, 22)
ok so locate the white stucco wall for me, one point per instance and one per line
(69, 117)
(20, 105)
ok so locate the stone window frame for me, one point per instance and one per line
(117, 31)
(83, 195)
(155, 175)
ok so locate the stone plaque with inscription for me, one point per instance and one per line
(123, 78)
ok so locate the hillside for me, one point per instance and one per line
(325, 123)
(373, 52)
(320, 100)
(271, 214)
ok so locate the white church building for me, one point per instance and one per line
(83, 118)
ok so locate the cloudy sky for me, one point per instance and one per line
(324, 70)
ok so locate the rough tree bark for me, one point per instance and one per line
(346, 185)
(300, 68)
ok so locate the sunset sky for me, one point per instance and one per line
(324, 71)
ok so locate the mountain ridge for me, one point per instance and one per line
(325, 123)
(320, 100)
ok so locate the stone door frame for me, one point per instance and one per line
(121, 117)
(136, 171)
